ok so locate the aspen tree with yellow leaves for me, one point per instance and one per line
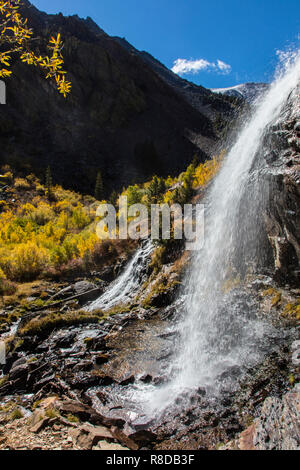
(16, 40)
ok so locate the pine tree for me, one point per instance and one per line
(188, 181)
(155, 190)
(99, 187)
(48, 184)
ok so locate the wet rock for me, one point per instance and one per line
(44, 381)
(10, 359)
(102, 359)
(296, 358)
(146, 378)
(63, 293)
(127, 380)
(84, 290)
(143, 437)
(108, 274)
(261, 283)
(103, 397)
(104, 378)
(124, 439)
(161, 379)
(86, 413)
(98, 343)
(83, 366)
(232, 371)
(65, 341)
(84, 380)
(295, 345)
(19, 372)
(168, 334)
(38, 370)
(276, 428)
(18, 362)
(83, 286)
(141, 424)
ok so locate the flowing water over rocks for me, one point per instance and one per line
(127, 285)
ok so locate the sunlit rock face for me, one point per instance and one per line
(282, 166)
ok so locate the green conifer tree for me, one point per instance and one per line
(48, 184)
(99, 187)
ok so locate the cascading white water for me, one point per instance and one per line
(220, 330)
(126, 286)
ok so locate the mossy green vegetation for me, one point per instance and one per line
(44, 324)
(16, 414)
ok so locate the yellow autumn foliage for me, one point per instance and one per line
(39, 235)
(206, 171)
(16, 39)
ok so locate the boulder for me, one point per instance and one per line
(37, 427)
(276, 427)
(101, 359)
(83, 286)
(48, 403)
(127, 380)
(87, 436)
(86, 413)
(37, 415)
(83, 366)
(104, 445)
(124, 439)
(133, 439)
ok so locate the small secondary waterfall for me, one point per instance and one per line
(220, 330)
(127, 285)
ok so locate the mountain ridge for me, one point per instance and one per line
(249, 91)
(121, 118)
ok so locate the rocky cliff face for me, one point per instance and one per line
(276, 428)
(283, 176)
(122, 118)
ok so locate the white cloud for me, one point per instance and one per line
(223, 67)
(184, 66)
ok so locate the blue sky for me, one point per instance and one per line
(216, 43)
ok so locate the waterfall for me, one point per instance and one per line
(127, 285)
(220, 328)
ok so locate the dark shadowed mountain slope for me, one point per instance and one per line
(121, 117)
(202, 99)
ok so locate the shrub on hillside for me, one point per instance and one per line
(28, 262)
(21, 184)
